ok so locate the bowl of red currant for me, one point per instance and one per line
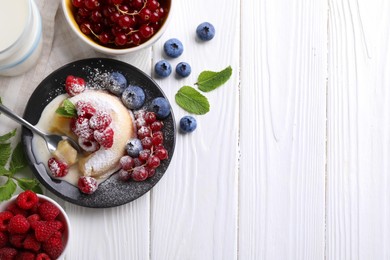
(118, 26)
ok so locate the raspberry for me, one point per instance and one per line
(87, 185)
(14, 209)
(42, 256)
(18, 225)
(85, 109)
(105, 138)
(17, 240)
(82, 129)
(59, 225)
(8, 253)
(31, 243)
(3, 239)
(44, 230)
(88, 145)
(27, 199)
(53, 247)
(4, 220)
(100, 121)
(33, 219)
(48, 211)
(57, 168)
(25, 256)
(74, 85)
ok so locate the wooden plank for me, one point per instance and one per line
(358, 226)
(283, 130)
(194, 207)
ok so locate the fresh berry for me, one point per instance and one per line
(57, 168)
(16, 240)
(161, 153)
(5, 216)
(74, 85)
(104, 138)
(126, 162)
(44, 230)
(173, 48)
(158, 138)
(187, 124)
(8, 253)
(42, 256)
(150, 117)
(53, 247)
(139, 173)
(100, 121)
(82, 128)
(183, 69)
(163, 68)
(140, 122)
(205, 31)
(156, 126)
(27, 199)
(31, 243)
(85, 109)
(88, 145)
(144, 131)
(3, 239)
(133, 97)
(150, 171)
(33, 220)
(87, 184)
(147, 142)
(25, 256)
(15, 210)
(117, 82)
(59, 225)
(18, 225)
(161, 107)
(133, 147)
(124, 175)
(139, 114)
(144, 155)
(48, 211)
(153, 162)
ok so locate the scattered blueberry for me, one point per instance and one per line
(173, 48)
(205, 31)
(161, 107)
(183, 69)
(117, 83)
(133, 147)
(163, 68)
(133, 97)
(188, 124)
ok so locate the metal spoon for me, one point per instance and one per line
(52, 140)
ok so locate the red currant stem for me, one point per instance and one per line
(133, 31)
(97, 36)
(135, 13)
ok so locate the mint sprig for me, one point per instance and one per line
(192, 101)
(210, 80)
(67, 109)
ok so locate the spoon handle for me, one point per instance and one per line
(20, 120)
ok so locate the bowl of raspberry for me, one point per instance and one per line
(117, 27)
(33, 226)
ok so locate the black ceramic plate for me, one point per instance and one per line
(112, 192)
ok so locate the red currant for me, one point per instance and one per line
(124, 175)
(85, 28)
(161, 153)
(146, 31)
(127, 162)
(120, 39)
(157, 138)
(147, 142)
(104, 37)
(125, 21)
(135, 38)
(91, 4)
(145, 14)
(153, 162)
(143, 132)
(116, 2)
(150, 171)
(156, 126)
(96, 16)
(78, 3)
(150, 117)
(84, 12)
(144, 155)
(139, 173)
(152, 5)
(137, 4)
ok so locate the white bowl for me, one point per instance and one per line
(67, 9)
(63, 217)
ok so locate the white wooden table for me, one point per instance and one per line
(292, 161)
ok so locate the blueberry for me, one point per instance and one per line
(183, 69)
(205, 31)
(133, 97)
(173, 48)
(163, 68)
(133, 147)
(117, 83)
(187, 124)
(161, 107)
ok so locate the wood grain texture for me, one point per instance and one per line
(194, 206)
(358, 122)
(282, 130)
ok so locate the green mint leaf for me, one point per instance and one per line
(5, 153)
(7, 136)
(7, 190)
(67, 109)
(3, 171)
(192, 101)
(29, 184)
(210, 80)
(18, 160)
